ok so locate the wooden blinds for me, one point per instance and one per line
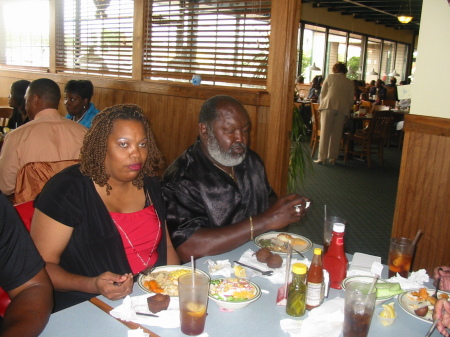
(226, 42)
(94, 36)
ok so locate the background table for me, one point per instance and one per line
(261, 318)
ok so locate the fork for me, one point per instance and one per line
(437, 284)
(266, 273)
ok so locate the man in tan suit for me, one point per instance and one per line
(336, 100)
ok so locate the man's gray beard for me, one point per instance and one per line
(224, 158)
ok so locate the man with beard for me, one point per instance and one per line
(217, 194)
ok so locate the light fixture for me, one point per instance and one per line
(394, 73)
(373, 73)
(314, 67)
(404, 18)
(404, 15)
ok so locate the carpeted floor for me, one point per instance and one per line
(364, 197)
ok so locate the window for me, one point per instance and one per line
(313, 51)
(226, 42)
(24, 34)
(95, 37)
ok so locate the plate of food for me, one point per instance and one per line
(233, 293)
(164, 279)
(420, 303)
(277, 242)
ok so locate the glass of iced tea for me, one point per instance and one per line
(400, 256)
(193, 292)
(358, 309)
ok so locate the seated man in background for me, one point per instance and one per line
(47, 137)
(217, 194)
(23, 277)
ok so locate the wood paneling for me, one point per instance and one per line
(424, 190)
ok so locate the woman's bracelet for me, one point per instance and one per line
(251, 228)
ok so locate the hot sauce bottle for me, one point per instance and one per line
(335, 261)
(314, 281)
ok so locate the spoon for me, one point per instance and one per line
(267, 273)
(437, 284)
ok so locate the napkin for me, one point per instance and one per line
(137, 333)
(324, 321)
(169, 318)
(413, 282)
(365, 265)
(220, 267)
(278, 276)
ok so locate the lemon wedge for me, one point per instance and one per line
(388, 311)
(239, 271)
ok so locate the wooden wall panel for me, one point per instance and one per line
(424, 190)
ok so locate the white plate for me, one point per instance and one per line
(272, 235)
(407, 302)
(165, 268)
(369, 280)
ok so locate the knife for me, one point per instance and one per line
(145, 314)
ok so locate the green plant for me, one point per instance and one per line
(300, 161)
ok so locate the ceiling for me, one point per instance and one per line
(383, 12)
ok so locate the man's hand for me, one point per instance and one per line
(442, 312)
(444, 275)
(284, 211)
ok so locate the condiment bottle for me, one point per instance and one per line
(314, 281)
(335, 261)
(295, 305)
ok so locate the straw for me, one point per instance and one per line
(325, 211)
(193, 270)
(417, 237)
(371, 288)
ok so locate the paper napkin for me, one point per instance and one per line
(220, 267)
(365, 265)
(413, 282)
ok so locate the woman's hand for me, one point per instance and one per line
(114, 286)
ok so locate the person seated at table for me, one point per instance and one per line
(216, 192)
(98, 222)
(316, 87)
(47, 137)
(380, 91)
(358, 91)
(77, 99)
(16, 100)
(442, 311)
(23, 277)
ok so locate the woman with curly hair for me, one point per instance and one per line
(98, 222)
(16, 100)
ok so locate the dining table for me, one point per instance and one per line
(260, 318)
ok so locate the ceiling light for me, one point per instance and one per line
(373, 72)
(394, 73)
(314, 67)
(404, 18)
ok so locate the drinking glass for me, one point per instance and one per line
(358, 309)
(193, 292)
(328, 229)
(400, 256)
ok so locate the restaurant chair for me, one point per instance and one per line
(32, 177)
(315, 122)
(389, 103)
(371, 140)
(5, 115)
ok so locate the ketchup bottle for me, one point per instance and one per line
(314, 295)
(335, 261)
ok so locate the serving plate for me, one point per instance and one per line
(409, 304)
(366, 279)
(273, 236)
(168, 268)
(241, 284)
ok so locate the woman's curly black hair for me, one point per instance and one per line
(93, 152)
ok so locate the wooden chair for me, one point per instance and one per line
(32, 177)
(375, 134)
(389, 103)
(315, 121)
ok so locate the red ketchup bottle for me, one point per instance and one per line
(314, 295)
(335, 261)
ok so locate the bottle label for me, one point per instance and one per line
(314, 295)
(340, 241)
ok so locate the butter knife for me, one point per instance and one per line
(145, 314)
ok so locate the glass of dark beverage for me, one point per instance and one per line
(400, 256)
(359, 305)
(193, 292)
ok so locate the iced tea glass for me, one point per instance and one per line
(193, 292)
(400, 256)
(328, 229)
(358, 309)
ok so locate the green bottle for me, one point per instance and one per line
(296, 297)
